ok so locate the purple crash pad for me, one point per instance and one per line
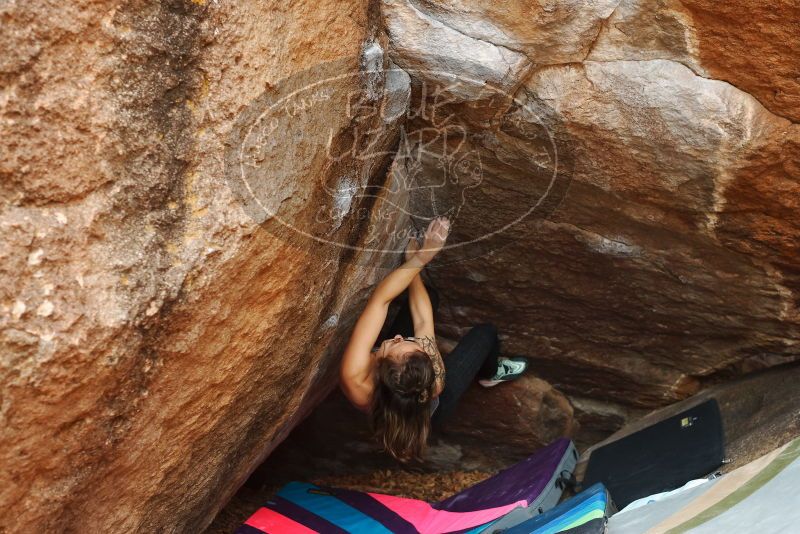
(526, 480)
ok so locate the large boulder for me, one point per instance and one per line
(161, 332)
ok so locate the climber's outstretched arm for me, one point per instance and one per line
(419, 302)
(356, 370)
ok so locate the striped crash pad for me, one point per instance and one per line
(585, 513)
(306, 508)
(761, 497)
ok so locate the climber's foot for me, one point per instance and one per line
(507, 369)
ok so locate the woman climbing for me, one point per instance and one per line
(401, 382)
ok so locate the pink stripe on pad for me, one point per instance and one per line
(269, 521)
(426, 519)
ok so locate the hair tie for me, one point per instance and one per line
(423, 397)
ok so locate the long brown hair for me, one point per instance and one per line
(401, 405)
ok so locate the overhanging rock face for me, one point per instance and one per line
(648, 211)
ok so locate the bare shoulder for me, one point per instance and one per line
(359, 393)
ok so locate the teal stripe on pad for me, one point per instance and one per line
(596, 503)
(321, 503)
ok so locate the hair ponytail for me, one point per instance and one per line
(401, 417)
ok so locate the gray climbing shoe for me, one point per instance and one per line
(507, 369)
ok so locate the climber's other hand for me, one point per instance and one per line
(435, 238)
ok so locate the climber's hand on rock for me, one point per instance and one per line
(411, 248)
(435, 238)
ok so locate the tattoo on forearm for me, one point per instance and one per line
(429, 346)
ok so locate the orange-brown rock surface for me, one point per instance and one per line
(746, 44)
(627, 220)
(158, 340)
(184, 249)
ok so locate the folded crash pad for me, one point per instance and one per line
(585, 513)
(661, 457)
(535, 483)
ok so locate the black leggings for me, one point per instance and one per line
(475, 355)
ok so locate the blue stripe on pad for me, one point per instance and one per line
(322, 503)
(558, 517)
(596, 502)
